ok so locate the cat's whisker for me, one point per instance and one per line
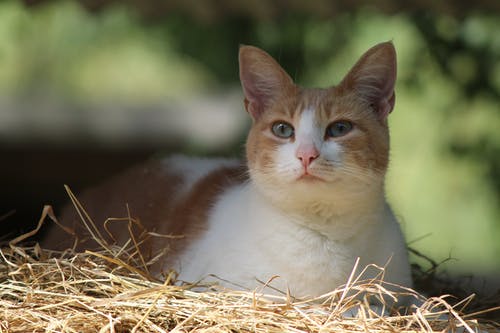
(364, 176)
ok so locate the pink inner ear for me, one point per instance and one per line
(255, 99)
(386, 106)
(375, 83)
(374, 76)
(262, 79)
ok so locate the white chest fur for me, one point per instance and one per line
(248, 241)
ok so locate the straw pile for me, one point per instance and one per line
(44, 291)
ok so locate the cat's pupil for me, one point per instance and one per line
(282, 130)
(338, 129)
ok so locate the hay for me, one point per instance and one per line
(43, 291)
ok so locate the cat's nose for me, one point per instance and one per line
(307, 154)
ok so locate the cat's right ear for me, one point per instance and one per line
(262, 79)
(373, 78)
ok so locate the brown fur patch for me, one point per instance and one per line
(147, 189)
(151, 193)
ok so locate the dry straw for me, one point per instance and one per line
(108, 291)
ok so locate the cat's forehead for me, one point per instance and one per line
(321, 104)
(315, 99)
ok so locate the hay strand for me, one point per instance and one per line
(88, 292)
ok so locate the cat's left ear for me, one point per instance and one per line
(262, 79)
(373, 78)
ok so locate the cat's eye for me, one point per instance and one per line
(282, 130)
(338, 129)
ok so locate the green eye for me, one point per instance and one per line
(282, 130)
(338, 129)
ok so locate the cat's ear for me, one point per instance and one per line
(373, 78)
(262, 78)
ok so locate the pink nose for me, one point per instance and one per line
(307, 154)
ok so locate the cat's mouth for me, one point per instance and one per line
(308, 177)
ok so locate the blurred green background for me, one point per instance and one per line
(81, 87)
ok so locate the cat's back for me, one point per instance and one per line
(170, 196)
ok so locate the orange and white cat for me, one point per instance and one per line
(308, 201)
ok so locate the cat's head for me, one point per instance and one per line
(318, 144)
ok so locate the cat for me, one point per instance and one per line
(308, 201)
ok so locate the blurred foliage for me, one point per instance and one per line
(444, 180)
(64, 50)
(214, 10)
